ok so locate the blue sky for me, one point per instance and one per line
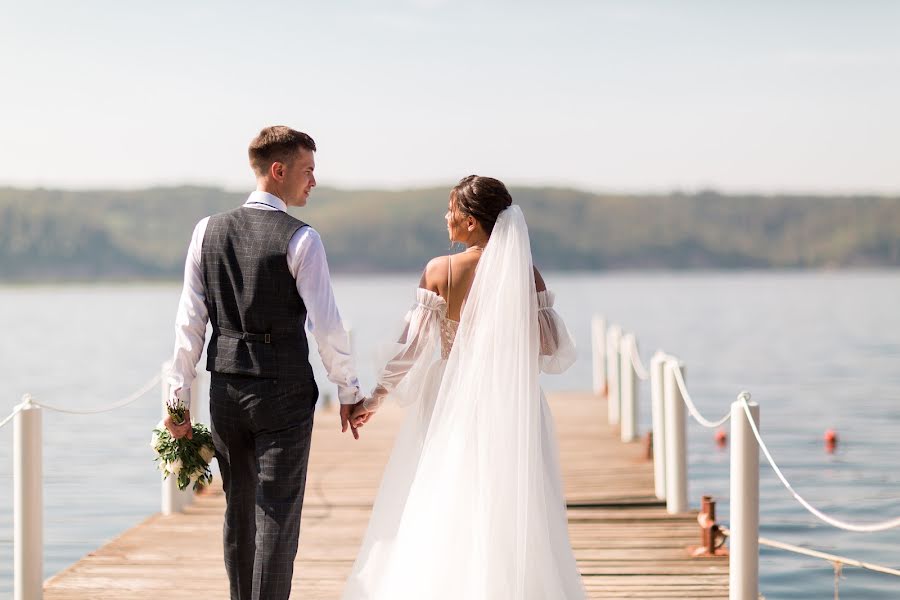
(635, 96)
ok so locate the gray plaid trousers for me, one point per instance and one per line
(262, 430)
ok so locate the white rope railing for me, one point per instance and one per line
(868, 528)
(91, 411)
(28, 481)
(639, 369)
(11, 415)
(823, 555)
(692, 408)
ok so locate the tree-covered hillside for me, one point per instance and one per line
(55, 234)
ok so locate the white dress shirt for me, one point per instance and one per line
(307, 263)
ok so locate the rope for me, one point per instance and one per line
(15, 411)
(679, 378)
(823, 555)
(91, 411)
(869, 528)
(639, 368)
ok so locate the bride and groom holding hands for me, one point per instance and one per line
(471, 504)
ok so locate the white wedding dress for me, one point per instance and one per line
(471, 505)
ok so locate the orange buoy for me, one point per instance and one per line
(831, 440)
(721, 438)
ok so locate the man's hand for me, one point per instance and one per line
(346, 410)
(180, 430)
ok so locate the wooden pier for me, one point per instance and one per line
(626, 545)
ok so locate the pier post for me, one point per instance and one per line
(743, 567)
(598, 354)
(173, 499)
(28, 503)
(676, 441)
(628, 389)
(658, 416)
(200, 398)
(613, 338)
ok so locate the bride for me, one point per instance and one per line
(471, 504)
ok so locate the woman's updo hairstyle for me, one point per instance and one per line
(482, 198)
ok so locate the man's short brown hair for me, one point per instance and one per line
(277, 144)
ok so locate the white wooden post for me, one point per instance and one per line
(28, 503)
(200, 398)
(612, 374)
(743, 568)
(658, 416)
(628, 390)
(676, 441)
(598, 347)
(173, 499)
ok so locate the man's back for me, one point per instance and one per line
(256, 312)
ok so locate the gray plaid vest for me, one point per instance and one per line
(257, 316)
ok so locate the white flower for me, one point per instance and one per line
(207, 453)
(200, 476)
(174, 467)
(156, 438)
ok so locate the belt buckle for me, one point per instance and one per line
(268, 338)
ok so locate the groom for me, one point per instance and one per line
(258, 275)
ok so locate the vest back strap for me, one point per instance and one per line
(265, 338)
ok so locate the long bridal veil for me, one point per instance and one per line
(476, 508)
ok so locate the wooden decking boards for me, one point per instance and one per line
(625, 543)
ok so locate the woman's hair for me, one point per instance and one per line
(482, 198)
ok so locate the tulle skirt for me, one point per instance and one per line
(436, 554)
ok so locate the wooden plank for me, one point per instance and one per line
(625, 543)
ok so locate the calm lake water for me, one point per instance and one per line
(816, 350)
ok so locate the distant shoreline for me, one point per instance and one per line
(412, 276)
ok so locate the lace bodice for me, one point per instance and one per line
(449, 328)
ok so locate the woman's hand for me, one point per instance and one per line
(360, 415)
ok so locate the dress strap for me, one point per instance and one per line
(449, 277)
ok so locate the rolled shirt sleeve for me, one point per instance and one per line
(308, 265)
(190, 321)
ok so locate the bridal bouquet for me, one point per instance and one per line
(186, 459)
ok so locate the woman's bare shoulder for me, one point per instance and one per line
(435, 274)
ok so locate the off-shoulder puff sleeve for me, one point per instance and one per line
(413, 351)
(557, 345)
